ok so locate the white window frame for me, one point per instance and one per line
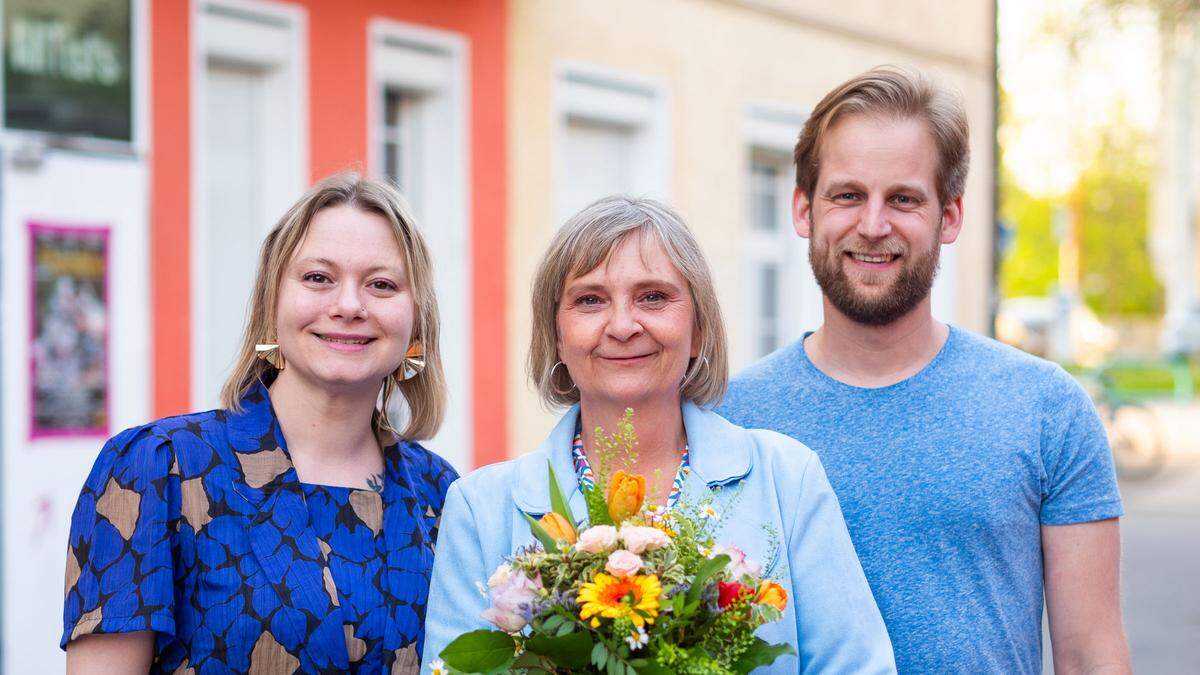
(773, 129)
(605, 96)
(434, 66)
(246, 32)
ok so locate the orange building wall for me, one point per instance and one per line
(337, 62)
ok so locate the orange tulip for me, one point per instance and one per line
(771, 593)
(625, 496)
(558, 528)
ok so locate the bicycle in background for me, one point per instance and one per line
(1135, 433)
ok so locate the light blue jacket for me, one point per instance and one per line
(760, 480)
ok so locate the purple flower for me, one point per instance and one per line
(512, 595)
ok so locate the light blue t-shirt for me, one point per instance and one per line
(945, 480)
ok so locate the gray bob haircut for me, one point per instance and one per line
(584, 243)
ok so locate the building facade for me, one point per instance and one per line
(232, 109)
(148, 146)
(700, 103)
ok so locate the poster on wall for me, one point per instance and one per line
(68, 300)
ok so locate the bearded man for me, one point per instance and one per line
(976, 480)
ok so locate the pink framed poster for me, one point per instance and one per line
(68, 331)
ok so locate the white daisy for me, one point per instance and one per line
(438, 667)
(638, 639)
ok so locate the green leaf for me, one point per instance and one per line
(558, 503)
(599, 655)
(541, 534)
(597, 507)
(677, 604)
(761, 653)
(649, 667)
(551, 623)
(479, 651)
(566, 628)
(527, 661)
(707, 569)
(569, 651)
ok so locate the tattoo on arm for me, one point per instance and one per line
(375, 482)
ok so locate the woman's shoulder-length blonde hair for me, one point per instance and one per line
(585, 242)
(425, 394)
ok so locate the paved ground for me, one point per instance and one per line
(1161, 555)
(1161, 572)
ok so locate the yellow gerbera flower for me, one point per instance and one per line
(614, 597)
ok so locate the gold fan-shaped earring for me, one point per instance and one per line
(269, 352)
(414, 361)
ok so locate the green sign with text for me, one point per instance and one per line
(68, 67)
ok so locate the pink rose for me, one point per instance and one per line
(597, 539)
(642, 539)
(740, 565)
(623, 563)
(512, 595)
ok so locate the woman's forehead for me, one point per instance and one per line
(636, 251)
(351, 237)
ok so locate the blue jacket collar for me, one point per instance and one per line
(719, 454)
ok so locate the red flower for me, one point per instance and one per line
(729, 592)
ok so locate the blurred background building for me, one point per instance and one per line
(700, 103)
(148, 145)
(157, 141)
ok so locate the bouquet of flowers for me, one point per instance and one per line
(643, 590)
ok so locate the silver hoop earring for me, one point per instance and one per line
(556, 389)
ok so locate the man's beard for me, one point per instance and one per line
(912, 284)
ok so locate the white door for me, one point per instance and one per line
(231, 231)
(42, 477)
(250, 164)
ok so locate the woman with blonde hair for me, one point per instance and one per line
(293, 529)
(625, 316)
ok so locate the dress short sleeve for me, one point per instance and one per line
(120, 571)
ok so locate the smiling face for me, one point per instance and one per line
(345, 311)
(874, 220)
(627, 329)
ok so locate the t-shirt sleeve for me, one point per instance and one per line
(1080, 483)
(120, 571)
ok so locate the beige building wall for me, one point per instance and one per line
(715, 59)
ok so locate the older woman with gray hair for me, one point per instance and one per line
(625, 316)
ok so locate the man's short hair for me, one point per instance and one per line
(889, 91)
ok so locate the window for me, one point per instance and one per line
(770, 250)
(400, 133)
(417, 101)
(780, 297)
(943, 298)
(612, 138)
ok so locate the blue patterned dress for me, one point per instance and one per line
(196, 527)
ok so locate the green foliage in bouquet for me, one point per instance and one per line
(642, 591)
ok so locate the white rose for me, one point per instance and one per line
(740, 565)
(623, 563)
(597, 539)
(642, 539)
